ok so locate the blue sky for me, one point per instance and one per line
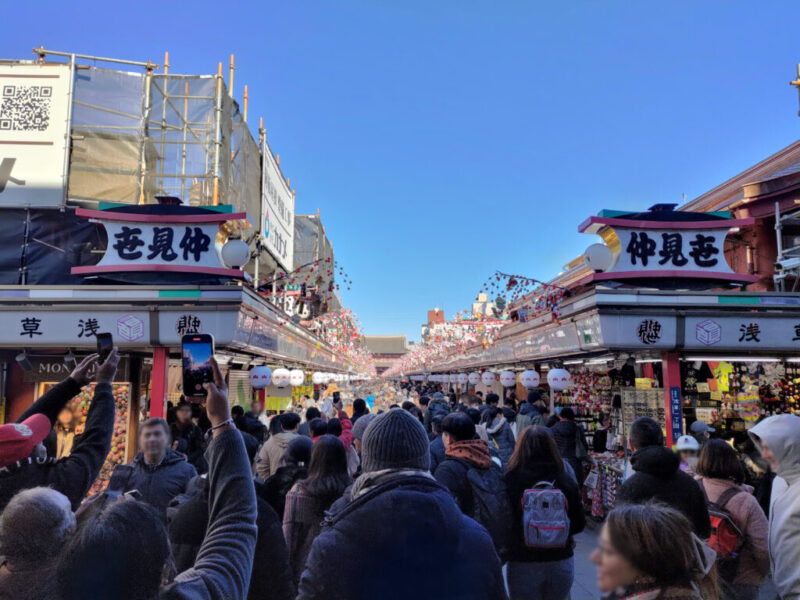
(444, 140)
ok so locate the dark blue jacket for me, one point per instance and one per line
(437, 452)
(403, 539)
(161, 483)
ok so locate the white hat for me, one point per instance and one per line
(687, 442)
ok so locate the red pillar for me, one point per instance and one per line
(158, 389)
(673, 402)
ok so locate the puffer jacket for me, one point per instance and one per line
(781, 434)
(750, 519)
(436, 408)
(502, 439)
(384, 543)
(160, 483)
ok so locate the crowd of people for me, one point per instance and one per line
(434, 497)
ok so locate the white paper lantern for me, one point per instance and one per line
(488, 378)
(453, 378)
(507, 378)
(235, 253)
(558, 379)
(463, 378)
(296, 377)
(280, 377)
(260, 377)
(474, 378)
(529, 378)
(317, 378)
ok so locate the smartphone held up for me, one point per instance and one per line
(105, 344)
(196, 353)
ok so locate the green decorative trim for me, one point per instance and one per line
(180, 293)
(742, 300)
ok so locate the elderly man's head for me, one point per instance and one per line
(35, 525)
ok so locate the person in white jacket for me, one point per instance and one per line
(778, 439)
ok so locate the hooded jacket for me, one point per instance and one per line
(160, 483)
(657, 476)
(72, 475)
(271, 453)
(437, 407)
(528, 415)
(781, 434)
(402, 539)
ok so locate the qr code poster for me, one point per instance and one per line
(34, 107)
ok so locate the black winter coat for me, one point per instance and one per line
(403, 539)
(187, 517)
(275, 488)
(72, 475)
(658, 477)
(519, 480)
(161, 483)
(191, 443)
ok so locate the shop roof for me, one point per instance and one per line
(386, 344)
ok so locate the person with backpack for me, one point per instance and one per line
(547, 512)
(739, 528)
(474, 479)
(530, 412)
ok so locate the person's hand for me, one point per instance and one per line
(106, 371)
(80, 374)
(217, 399)
(175, 445)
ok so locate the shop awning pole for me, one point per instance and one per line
(671, 371)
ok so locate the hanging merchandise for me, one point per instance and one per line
(280, 377)
(488, 378)
(260, 377)
(529, 378)
(296, 377)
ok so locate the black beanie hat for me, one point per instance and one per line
(395, 440)
(298, 451)
(534, 396)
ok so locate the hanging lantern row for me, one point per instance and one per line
(557, 379)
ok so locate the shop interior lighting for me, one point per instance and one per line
(793, 360)
(600, 360)
(578, 361)
(734, 358)
(647, 360)
(24, 362)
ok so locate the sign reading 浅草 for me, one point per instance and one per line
(277, 208)
(34, 109)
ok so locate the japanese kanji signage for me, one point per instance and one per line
(668, 249)
(142, 242)
(277, 210)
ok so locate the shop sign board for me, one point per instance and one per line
(750, 332)
(638, 331)
(34, 134)
(676, 410)
(53, 368)
(78, 328)
(669, 249)
(153, 243)
(219, 323)
(277, 211)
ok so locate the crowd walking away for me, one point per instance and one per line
(433, 497)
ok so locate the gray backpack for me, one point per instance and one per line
(544, 516)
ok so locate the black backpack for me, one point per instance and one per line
(490, 505)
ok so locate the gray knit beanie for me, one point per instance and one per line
(361, 426)
(395, 440)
